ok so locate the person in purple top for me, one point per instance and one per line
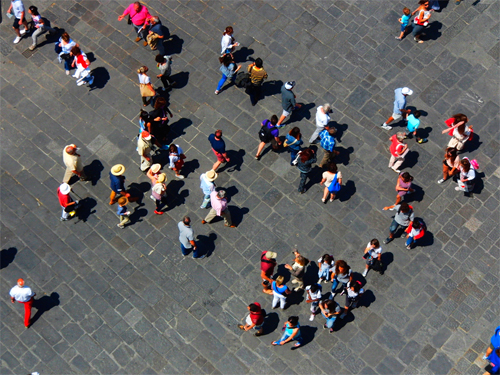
(268, 133)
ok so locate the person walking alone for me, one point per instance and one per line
(23, 294)
(306, 159)
(219, 208)
(399, 111)
(186, 238)
(219, 149)
(40, 26)
(288, 101)
(322, 120)
(257, 77)
(207, 185)
(73, 164)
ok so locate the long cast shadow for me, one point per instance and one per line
(43, 305)
(7, 256)
(206, 244)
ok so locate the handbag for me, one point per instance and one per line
(296, 160)
(129, 21)
(334, 186)
(146, 90)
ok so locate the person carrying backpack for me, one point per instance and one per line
(268, 132)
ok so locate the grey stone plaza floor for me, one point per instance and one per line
(127, 302)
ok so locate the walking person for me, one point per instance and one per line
(412, 126)
(122, 212)
(404, 216)
(327, 137)
(219, 149)
(415, 231)
(451, 164)
(421, 20)
(23, 294)
(494, 343)
(330, 311)
(67, 203)
(399, 111)
(228, 69)
(82, 64)
(460, 134)
(154, 172)
(314, 294)
(494, 357)
(288, 101)
(186, 238)
(207, 185)
(322, 120)
(159, 193)
(218, 202)
(159, 124)
(73, 164)
(342, 274)
(404, 21)
(268, 132)
(297, 270)
(353, 292)
(291, 332)
(156, 34)
(467, 176)
(147, 90)
(176, 157)
(138, 16)
(398, 150)
(117, 185)
(63, 48)
(373, 256)
(280, 291)
(332, 180)
(17, 9)
(228, 42)
(144, 145)
(267, 265)
(257, 77)
(293, 141)
(403, 187)
(254, 320)
(40, 26)
(306, 159)
(164, 64)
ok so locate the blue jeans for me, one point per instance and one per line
(223, 79)
(417, 30)
(335, 283)
(58, 50)
(293, 155)
(185, 251)
(285, 336)
(206, 201)
(330, 321)
(410, 241)
(394, 227)
(302, 182)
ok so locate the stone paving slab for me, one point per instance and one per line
(126, 301)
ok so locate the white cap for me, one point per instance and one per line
(407, 91)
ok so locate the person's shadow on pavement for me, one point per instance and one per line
(7, 256)
(206, 244)
(43, 305)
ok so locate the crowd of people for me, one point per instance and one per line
(154, 137)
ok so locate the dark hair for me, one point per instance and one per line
(332, 130)
(186, 220)
(258, 62)
(355, 286)
(274, 119)
(172, 148)
(375, 242)
(406, 176)
(326, 258)
(343, 264)
(417, 114)
(76, 50)
(160, 58)
(34, 10)
(465, 164)
(314, 288)
(332, 168)
(459, 117)
(228, 30)
(452, 152)
(461, 128)
(138, 4)
(330, 304)
(160, 102)
(65, 36)
(417, 224)
(421, 2)
(295, 132)
(143, 115)
(306, 154)
(293, 320)
(226, 59)
(253, 307)
(218, 131)
(404, 207)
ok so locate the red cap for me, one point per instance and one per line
(20, 282)
(145, 134)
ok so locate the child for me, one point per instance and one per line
(325, 264)
(404, 20)
(40, 26)
(353, 291)
(122, 212)
(164, 64)
(313, 297)
(415, 230)
(82, 64)
(412, 126)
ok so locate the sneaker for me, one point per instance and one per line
(441, 181)
(423, 140)
(331, 330)
(22, 31)
(59, 59)
(120, 226)
(63, 219)
(80, 82)
(32, 47)
(332, 296)
(158, 212)
(365, 272)
(396, 170)
(386, 127)
(75, 76)
(17, 40)
(138, 39)
(216, 92)
(485, 357)
(295, 281)
(342, 293)
(67, 72)
(387, 240)
(408, 247)
(458, 188)
(179, 176)
(311, 318)
(397, 37)
(91, 81)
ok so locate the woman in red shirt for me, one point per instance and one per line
(398, 151)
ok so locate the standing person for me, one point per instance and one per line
(156, 34)
(494, 343)
(304, 164)
(330, 311)
(399, 111)
(398, 150)
(138, 15)
(257, 77)
(66, 201)
(404, 21)
(322, 120)
(159, 193)
(280, 291)
(122, 212)
(117, 184)
(325, 268)
(82, 64)
(254, 320)
(144, 145)
(228, 69)
(327, 137)
(147, 89)
(159, 124)
(218, 202)
(421, 20)
(63, 48)
(268, 132)
(186, 238)
(267, 264)
(467, 176)
(40, 26)
(73, 164)
(297, 270)
(415, 230)
(288, 101)
(403, 187)
(219, 149)
(176, 157)
(342, 273)
(23, 294)
(372, 254)
(314, 293)
(332, 180)
(353, 292)
(228, 43)
(459, 135)
(17, 9)
(404, 216)
(164, 64)
(293, 141)
(451, 164)
(412, 126)
(154, 172)
(292, 332)
(207, 185)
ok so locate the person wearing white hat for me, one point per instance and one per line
(288, 101)
(399, 112)
(207, 185)
(65, 200)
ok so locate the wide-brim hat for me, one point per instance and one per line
(406, 91)
(64, 188)
(155, 168)
(117, 170)
(211, 175)
(271, 255)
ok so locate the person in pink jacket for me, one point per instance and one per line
(139, 15)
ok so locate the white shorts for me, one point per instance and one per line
(397, 116)
(285, 113)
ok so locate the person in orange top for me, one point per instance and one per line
(257, 77)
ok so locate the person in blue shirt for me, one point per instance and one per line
(494, 366)
(404, 21)
(399, 111)
(291, 332)
(117, 184)
(327, 137)
(293, 141)
(122, 212)
(157, 28)
(219, 148)
(412, 126)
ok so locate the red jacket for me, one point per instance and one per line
(258, 316)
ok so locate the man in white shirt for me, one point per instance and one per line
(322, 119)
(17, 9)
(24, 295)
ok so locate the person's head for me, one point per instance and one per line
(172, 149)
(289, 85)
(451, 153)
(301, 260)
(226, 59)
(71, 149)
(404, 207)
(259, 63)
(186, 220)
(417, 224)
(122, 201)
(144, 116)
(400, 136)
(341, 265)
(332, 168)
(65, 37)
(327, 108)
(459, 117)
(154, 20)
(160, 59)
(406, 11)
(465, 165)
(293, 320)
(327, 258)
(218, 134)
(306, 154)
(118, 170)
(461, 128)
(137, 6)
(76, 51)
(406, 91)
(160, 102)
(423, 2)
(330, 305)
(33, 10)
(295, 132)
(417, 114)
(406, 177)
(20, 282)
(145, 135)
(375, 243)
(271, 255)
(228, 31)
(274, 120)
(142, 70)
(221, 194)
(332, 131)
(155, 168)
(254, 308)
(314, 288)
(280, 280)
(355, 287)
(162, 177)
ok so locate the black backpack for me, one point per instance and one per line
(264, 132)
(242, 79)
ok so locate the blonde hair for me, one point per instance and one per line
(142, 69)
(279, 280)
(161, 177)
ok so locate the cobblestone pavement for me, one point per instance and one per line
(126, 301)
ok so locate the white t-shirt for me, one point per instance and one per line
(414, 232)
(17, 8)
(469, 175)
(175, 157)
(374, 253)
(23, 294)
(351, 293)
(329, 177)
(321, 118)
(314, 295)
(225, 43)
(144, 79)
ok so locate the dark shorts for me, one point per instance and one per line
(491, 370)
(15, 25)
(403, 27)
